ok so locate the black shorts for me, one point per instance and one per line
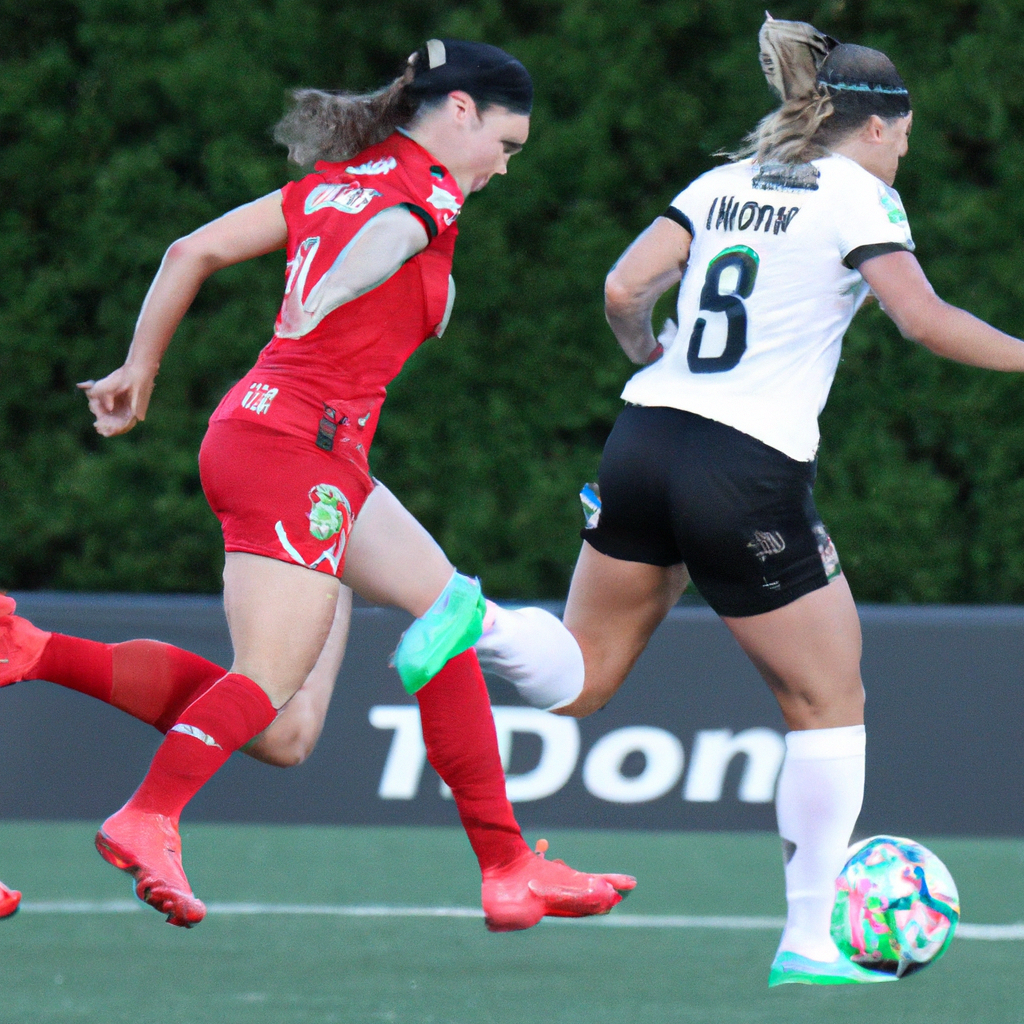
(676, 487)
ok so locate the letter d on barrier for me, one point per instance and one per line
(559, 749)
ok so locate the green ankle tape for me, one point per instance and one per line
(452, 625)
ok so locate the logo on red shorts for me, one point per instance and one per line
(330, 518)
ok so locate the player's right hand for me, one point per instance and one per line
(119, 400)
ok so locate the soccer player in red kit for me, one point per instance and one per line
(369, 237)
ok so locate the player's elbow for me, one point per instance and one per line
(911, 328)
(619, 297)
(193, 253)
(921, 321)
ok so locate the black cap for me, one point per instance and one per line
(487, 73)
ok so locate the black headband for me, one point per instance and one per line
(487, 73)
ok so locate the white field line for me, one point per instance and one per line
(990, 932)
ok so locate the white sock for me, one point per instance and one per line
(531, 649)
(821, 788)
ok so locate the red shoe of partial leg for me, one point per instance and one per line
(21, 644)
(519, 894)
(9, 900)
(148, 847)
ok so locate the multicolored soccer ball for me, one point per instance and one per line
(896, 906)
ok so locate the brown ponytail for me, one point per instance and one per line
(338, 125)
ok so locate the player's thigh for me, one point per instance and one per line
(809, 653)
(613, 608)
(279, 615)
(293, 735)
(286, 510)
(391, 559)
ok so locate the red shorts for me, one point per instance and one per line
(281, 496)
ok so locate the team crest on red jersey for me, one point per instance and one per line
(442, 200)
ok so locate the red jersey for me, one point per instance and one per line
(324, 372)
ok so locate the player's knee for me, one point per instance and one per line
(818, 706)
(856, 697)
(451, 625)
(289, 740)
(294, 753)
(586, 703)
(531, 649)
(845, 694)
(287, 756)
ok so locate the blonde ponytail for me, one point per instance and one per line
(789, 135)
(791, 53)
(828, 90)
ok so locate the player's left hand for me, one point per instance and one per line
(119, 400)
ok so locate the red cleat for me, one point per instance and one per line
(21, 644)
(9, 900)
(148, 847)
(519, 894)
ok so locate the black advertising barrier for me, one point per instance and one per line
(692, 741)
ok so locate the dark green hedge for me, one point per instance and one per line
(126, 123)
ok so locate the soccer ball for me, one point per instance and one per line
(896, 906)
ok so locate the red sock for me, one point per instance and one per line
(462, 746)
(82, 665)
(156, 682)
(151, 681)
(209, 731)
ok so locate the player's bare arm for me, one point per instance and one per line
(120, 399)
(646, 270)
(906, 294)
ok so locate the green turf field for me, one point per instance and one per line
(286, 968)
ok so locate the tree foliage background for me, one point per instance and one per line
(126, 123)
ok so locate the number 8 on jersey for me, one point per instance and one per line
(735, 270)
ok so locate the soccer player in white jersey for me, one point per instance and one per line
(708, 471)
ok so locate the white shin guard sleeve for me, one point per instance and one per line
(819, 797)
(531, 649)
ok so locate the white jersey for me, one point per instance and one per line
(770, 287)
